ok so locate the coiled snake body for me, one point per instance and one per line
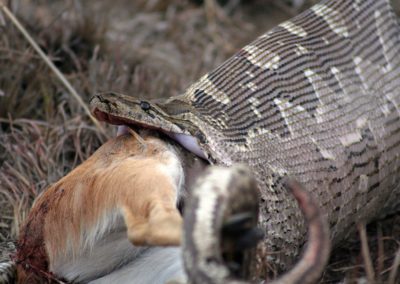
(317, 99)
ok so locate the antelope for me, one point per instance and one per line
(116, 218)
(92, 225)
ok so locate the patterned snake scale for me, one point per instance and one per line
(317, 99)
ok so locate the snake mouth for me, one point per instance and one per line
(187, 141)
(117, 120)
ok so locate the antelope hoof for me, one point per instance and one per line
(240, 229)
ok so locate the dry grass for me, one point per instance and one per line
(349, 263)
(150, 49)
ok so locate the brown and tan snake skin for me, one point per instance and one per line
(317, 98)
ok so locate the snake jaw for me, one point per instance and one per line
(122, 110)
(119, 109)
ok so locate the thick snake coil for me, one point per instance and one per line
(225, 192)
(317, 98)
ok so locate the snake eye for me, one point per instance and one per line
(144, 105)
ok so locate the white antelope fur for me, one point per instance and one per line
(107, 256)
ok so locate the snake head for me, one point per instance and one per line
(121, 109)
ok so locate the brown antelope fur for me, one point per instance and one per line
(137, 177)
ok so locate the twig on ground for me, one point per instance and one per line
(366, 254)
(395, 268)
(381, 254)
(49, 63)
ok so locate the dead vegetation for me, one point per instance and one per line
(146, 48)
